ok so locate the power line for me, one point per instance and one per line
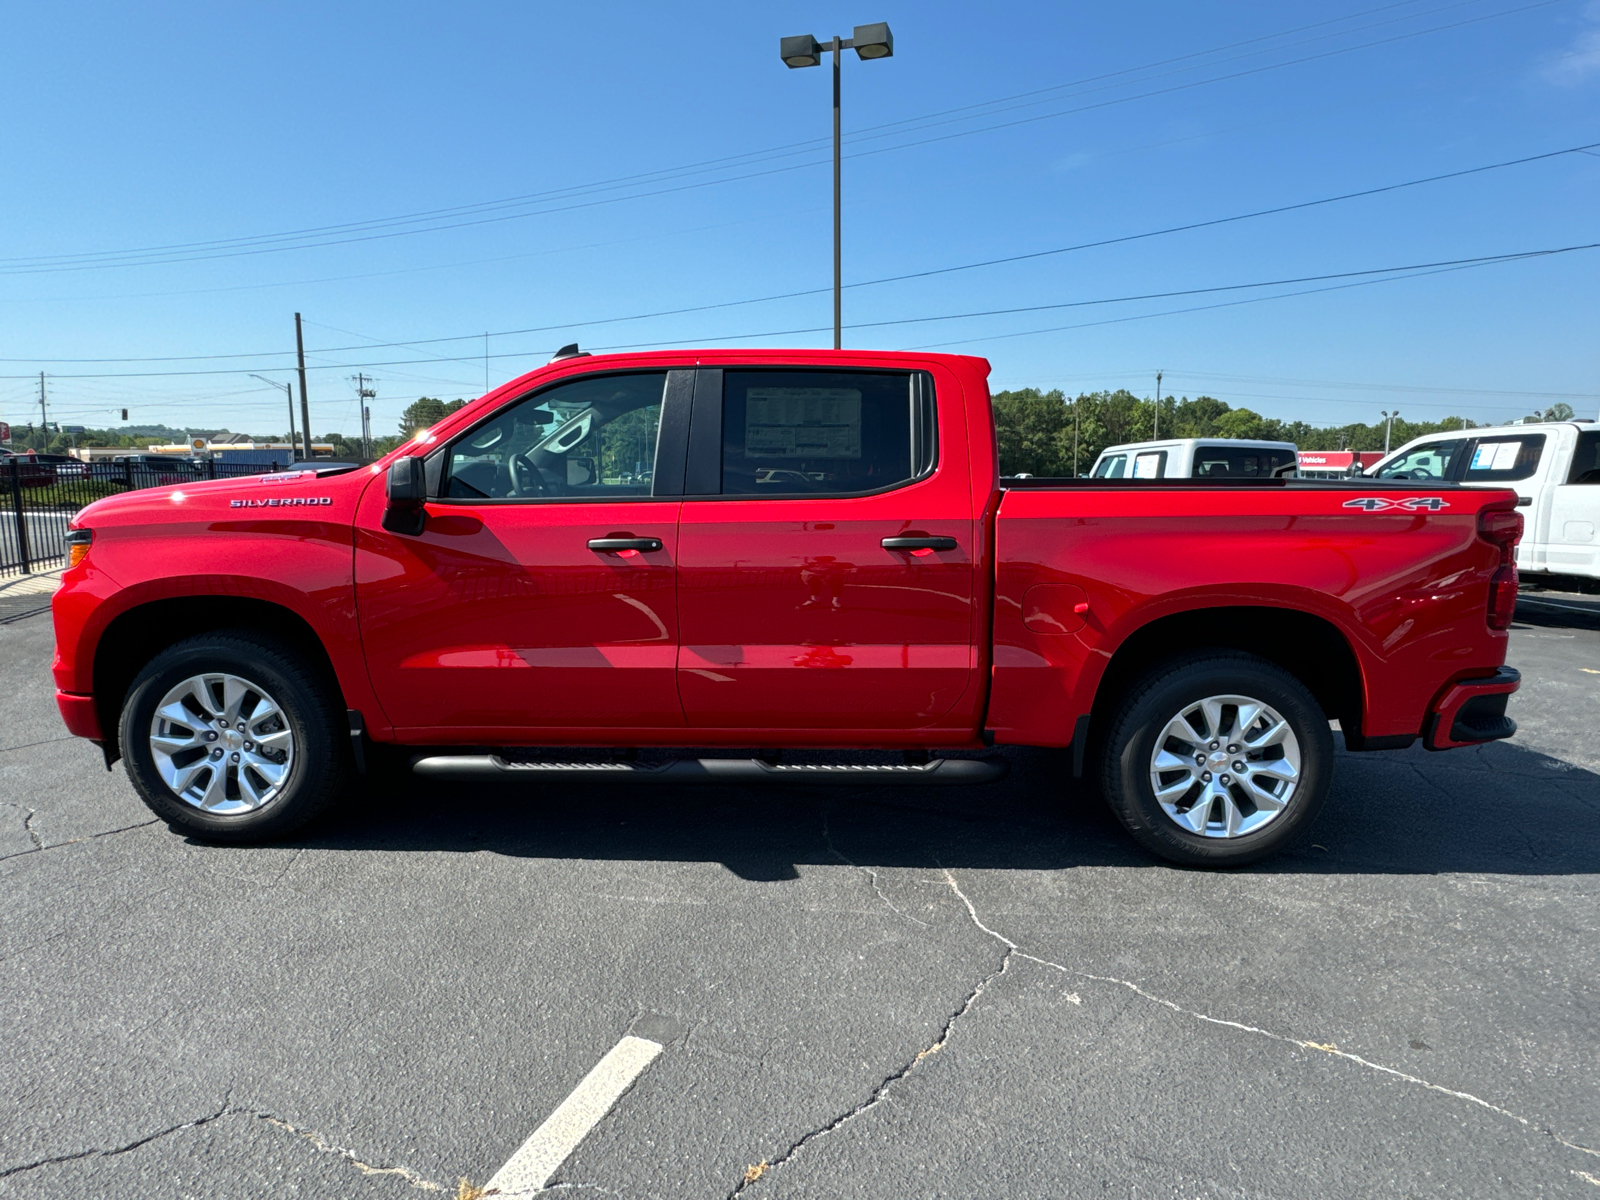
(109, 259)
(726, 159)
(1390, 274)
(989, 262)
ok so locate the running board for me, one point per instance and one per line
(484, 768)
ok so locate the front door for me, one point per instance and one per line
(826, 571)
(541, 593)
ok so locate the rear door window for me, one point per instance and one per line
(1504, 459)
(1586, 458)
(1431, 460)
(1150, 465)
(1241, 462)
(825, 433)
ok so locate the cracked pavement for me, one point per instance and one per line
(883, 993)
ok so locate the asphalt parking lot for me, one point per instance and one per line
(859, 993)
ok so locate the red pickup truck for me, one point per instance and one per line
(801, 551)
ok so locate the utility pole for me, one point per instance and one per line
(1155, 434)
(486, 362)
(305, 407)
(44, 417)
(288, 390)
(1075, 405)
(363, 394)
(1388, 427)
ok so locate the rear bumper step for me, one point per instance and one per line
(486, 768)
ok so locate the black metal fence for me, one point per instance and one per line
(38, 499)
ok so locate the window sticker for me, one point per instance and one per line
(1496, 456)
(801, 422)
(1147, 466)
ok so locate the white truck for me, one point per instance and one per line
(1197, 458)
(1554, 467)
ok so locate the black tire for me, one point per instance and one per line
(1143, 715)
(318, 771)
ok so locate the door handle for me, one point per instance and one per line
(614, 544)
(918, 541)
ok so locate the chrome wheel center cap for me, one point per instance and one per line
(1219, 760)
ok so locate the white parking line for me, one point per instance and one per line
(530, 1168)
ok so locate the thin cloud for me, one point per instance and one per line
(1582, 62)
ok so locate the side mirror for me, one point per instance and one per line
(408, 492)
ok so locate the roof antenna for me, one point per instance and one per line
(569, 351)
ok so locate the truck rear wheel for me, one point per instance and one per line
(1217, 760)
(231, 737)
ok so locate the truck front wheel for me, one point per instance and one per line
(1217, 760)
(230, 737)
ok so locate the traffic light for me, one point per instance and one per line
(124, 414)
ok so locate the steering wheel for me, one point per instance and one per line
(1419, 473)
(527, 479)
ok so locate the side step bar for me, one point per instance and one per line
(491, 768)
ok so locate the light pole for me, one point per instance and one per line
(869, 42)
(1388, 426)
(288, 390)
(1155, 434)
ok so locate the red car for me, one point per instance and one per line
(801, 550)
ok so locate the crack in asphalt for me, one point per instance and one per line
(350, 1156)
(1325, 1047)
(872, 875)
(31, 745)
(767, 1167)
(33, 834)
(111, 1152)
(230, 1110)
(41, 847)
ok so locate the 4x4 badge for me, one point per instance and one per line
(1409, 504)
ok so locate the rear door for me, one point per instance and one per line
(1573, 545)
(826, 553)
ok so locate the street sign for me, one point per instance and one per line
(74, 429)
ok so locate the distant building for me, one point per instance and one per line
(1335, 464)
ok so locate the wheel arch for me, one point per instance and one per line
(1310, 647)
(134, 637)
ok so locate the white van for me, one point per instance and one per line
(1553, 466)
(1197, 458)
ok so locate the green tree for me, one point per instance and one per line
(426, 411)
(1034, 430)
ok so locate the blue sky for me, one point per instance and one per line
(994, 131)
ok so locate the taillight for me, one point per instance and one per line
(1503, 528)
(78, 543)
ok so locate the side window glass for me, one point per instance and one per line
(1234, 462)
(1431, 460)
(1150, 465)
(589, 439)
(1111, 467)
(1586, 459)
(834, 433)
(1502, 460)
